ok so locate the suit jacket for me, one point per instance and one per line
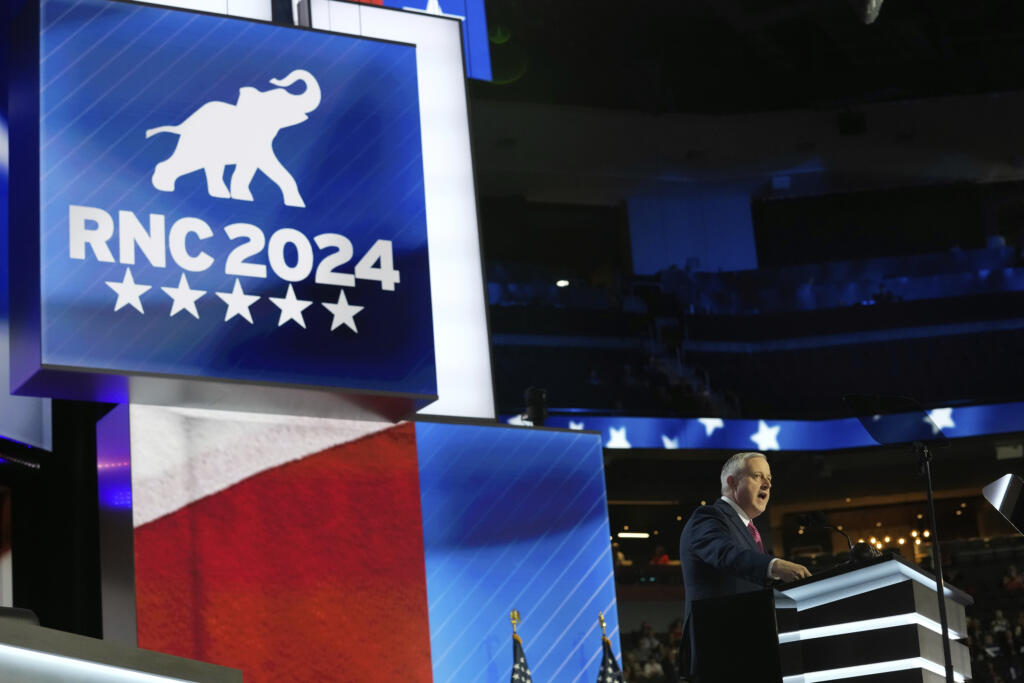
(718, 557)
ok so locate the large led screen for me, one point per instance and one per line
(515, 519)
(302, 549)
(22, 418)
(230, 199)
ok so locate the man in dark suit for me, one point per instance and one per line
(720, 550)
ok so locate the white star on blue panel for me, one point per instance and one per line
(128, 292)
(940, 418)
(766, 438)
(711, 424)
(617, 438)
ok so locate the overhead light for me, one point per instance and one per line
(878, 545)
(562, 283)
(872, 540)
(634, 534)
(902, 541)
(917, 541)
(914, 534)
(927, 533)
(887, 539)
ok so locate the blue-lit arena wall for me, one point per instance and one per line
(515, 519)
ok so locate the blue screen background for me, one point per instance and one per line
(515, 519)
(109, 72)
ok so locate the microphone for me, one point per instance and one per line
(859, 552)
(818, 519)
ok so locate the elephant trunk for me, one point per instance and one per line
(308, 100)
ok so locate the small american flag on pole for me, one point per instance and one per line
(520, 669)
(610, 672)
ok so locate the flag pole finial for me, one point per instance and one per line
(600, 617)
(516, 619)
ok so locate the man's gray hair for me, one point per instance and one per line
(735, 465)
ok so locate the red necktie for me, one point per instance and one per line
(756, 535)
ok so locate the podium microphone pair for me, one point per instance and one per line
(859, 552)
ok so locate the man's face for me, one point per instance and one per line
(752, 488)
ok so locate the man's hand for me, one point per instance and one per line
(789, 571)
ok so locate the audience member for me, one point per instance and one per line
(660, 556)
(1012, 580)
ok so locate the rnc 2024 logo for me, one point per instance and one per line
(215, 137)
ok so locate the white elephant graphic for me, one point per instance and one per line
(220, 134)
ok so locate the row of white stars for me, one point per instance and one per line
(766, 437)
(184, 298)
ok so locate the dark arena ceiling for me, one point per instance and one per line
(738, 56)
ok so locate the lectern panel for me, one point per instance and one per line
(909, 599)
(876, 621)
(878, 646)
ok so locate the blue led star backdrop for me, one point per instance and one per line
(786, 435)
(228, 200)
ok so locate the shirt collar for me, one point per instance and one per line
(743, 516)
